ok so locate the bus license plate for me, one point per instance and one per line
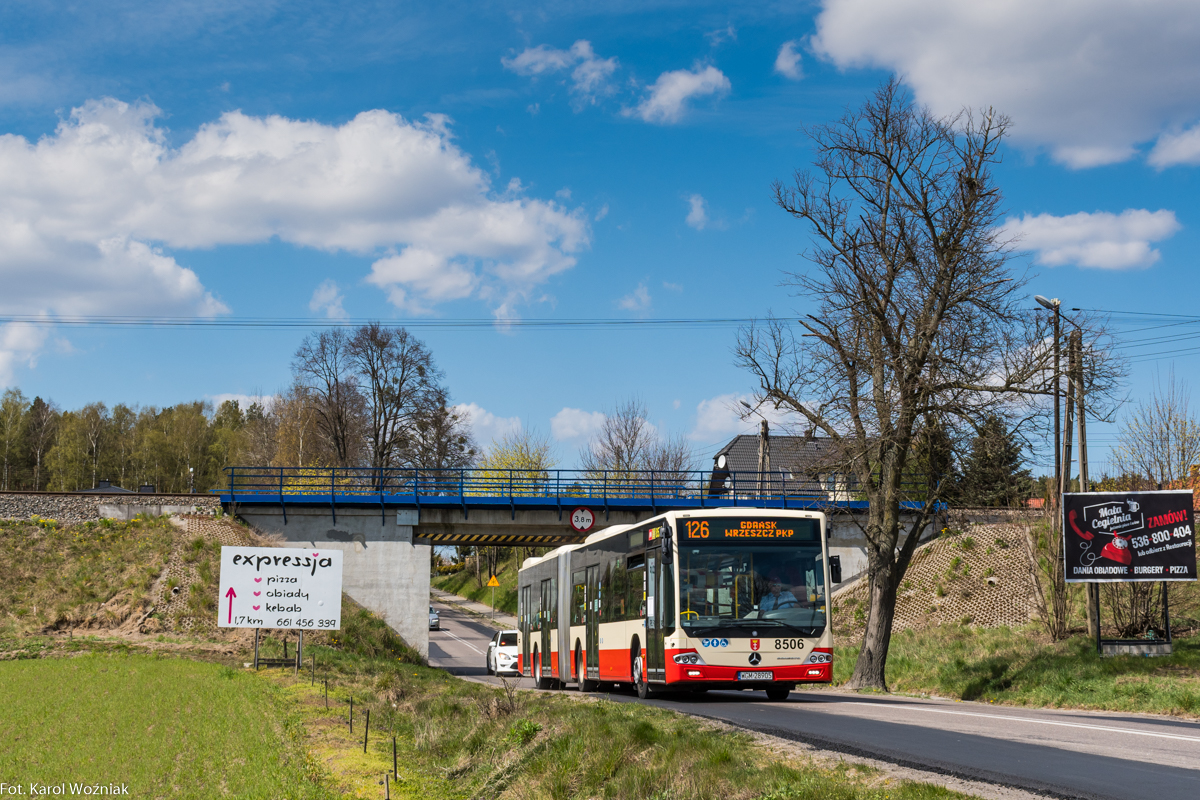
(756, 676)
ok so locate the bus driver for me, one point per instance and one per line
(778, 598)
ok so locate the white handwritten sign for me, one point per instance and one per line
(272, 587)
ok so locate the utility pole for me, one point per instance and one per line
(764, 457)
(1091, 589)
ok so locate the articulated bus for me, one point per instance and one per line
(729, 598)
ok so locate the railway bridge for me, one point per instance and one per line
(386, 521)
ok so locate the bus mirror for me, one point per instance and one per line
(835, 569)
(667, 555)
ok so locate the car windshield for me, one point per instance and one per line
(508, 640)
(737, 587)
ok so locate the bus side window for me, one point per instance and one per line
(578, 599)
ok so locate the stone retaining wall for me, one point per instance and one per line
(70, 508)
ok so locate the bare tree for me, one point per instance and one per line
(401, 385)
(95, 427)
(443, 439)
(1160, 438)
(1158, 441)
(917, 324)
(43, 421)
(323, 365)
(624, 442)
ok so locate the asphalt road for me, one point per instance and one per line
(1065, 753)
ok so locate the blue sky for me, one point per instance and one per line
(570, 161)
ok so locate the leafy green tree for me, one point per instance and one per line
(994, 474)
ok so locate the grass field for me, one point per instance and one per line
(465, 740)
(1021, 667)
(165, 727)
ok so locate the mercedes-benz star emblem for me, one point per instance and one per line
(755, 659)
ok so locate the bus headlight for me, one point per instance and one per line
(819, 657)
(688, 658)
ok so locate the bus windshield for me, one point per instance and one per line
(733, 588)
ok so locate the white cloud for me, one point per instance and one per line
(668, 97)
(698, 214)
(591, 77)
(1102, 240)
(486, 426)
(539, 60)
(787, 63)
(719, 418)
(715, 38)
(1177, 148)
(327, 299)
(637, 300)
(87, 214)
(20, 343)
(1087, 80)
(573, 424)
(602, 213)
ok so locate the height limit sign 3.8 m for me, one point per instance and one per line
(273, 587)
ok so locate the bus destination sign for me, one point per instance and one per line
(1129, 536)
(753, 531)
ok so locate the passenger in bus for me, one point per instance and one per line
(777, 597)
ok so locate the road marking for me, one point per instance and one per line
(464, 641)
(1129, 731)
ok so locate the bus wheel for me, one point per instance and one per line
(581, 681)
(778, 694)
(639, 680)
(538, 681)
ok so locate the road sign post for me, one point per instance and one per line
(493, 583)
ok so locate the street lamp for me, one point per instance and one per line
(1053, 305)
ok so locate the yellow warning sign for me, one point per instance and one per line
(493, 582)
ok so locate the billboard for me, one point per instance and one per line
(273, 587)
(1129, 536)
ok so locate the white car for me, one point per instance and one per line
(502, 654)
(435, 622)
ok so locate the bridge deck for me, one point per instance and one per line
(534, 490)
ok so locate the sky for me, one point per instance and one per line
(501, 163)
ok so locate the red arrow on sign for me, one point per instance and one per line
(231, 594)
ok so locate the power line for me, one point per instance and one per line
(98, 321)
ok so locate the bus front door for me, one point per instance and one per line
(592, 624)
(655, 652)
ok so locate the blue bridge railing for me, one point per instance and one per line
(516, 488)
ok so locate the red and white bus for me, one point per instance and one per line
(687, 600)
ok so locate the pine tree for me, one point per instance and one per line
(993, 474)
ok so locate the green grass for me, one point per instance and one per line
(59, 577)
(465, 740)
(1019, 667)
(165, 727)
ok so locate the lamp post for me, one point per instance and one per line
(1062, 471)
(1053, 305)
